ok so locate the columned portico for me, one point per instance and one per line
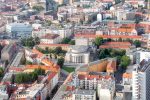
(77, 59)
(78, 55)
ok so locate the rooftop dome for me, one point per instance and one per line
(79, 49)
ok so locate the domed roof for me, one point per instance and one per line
(79, 49)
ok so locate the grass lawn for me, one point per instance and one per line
(68, 69)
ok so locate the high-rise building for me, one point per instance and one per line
(142, 55)
(141, 79)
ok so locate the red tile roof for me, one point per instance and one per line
(51, 76)
(19, 69)
(50, 36)
(109, 36)
(47, 62)
(50, 68)
(37, 52)
(111, 66)
(118, 43)
(128, 30)
(91, 77)
(115, 47)
(127, 75)
(70, 88)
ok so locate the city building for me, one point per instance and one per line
(3, 92)
(37, 3)
(146, 40)
(19, 30)
(85, 86)
(7, 77)
(50, 39)
(142, 55)
(116, 45)
(82, 41)
(78, 72)
(7, 52)
(108, 65)
(65, 30)
(127, 81)
(53, 46)
(81, 52)
(106, 89)
(34, 91)
(78, 55)
(113, 37)
(46, 83)
(140, 81)
(84, 95)
(17, 60)
(136, 3)
(60, 2)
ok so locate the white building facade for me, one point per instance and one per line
(140, 85)
(141, 55)
(84, 95)
(3, 93)
(78, 55)
(106, 89)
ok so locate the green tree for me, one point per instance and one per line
(29, 77)
(39, 71)
(38, 8)
(28, 62)
(98, 41)
(1, 72)
(40, 49)
(72, 42)
(125, 61)
(37, 40)
(108, 52)
(29, 42)
(19, 78)
(137, 43)
(46, 50)
(120, 40)
(113, 53)
(102, 54)
(118, 59)
(137, 19)
(66, 40)
(108, 39)
(58, 50)
(120, 52)
(51, 51)
(129, 40)
(60, 62)
(13, 79)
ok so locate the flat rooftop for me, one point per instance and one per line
(85, 92)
